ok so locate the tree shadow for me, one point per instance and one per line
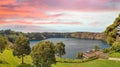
(24, 65)
(3, 62)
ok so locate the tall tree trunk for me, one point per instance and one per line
(22, 59)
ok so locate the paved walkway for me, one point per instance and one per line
(116, 59)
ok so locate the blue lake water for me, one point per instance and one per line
(73, 46)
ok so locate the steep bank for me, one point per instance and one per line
(81, 35)
(40, 36)
(88, 35)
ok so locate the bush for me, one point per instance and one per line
(79, 55)
(67, 60)
(106, 50)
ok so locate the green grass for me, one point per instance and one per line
(115, 54)
(12, 61)
(94, 63)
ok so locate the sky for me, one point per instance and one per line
(58, 15)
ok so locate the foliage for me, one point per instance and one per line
(14, 62)
(116, 46)
(3, 43)
(60, 49)
(111, 31)
(3, 62)
(43, 54)
(114, 54)
(79, 55)
(106, 50)
(96, 47)
(68, 60)
(44, 35)
(10, 34)
(21, 47)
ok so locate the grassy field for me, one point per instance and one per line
(95, 63)
(14, 62)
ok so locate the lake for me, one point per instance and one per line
(73, 45)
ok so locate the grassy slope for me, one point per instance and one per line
(95, 63)
(12, 61)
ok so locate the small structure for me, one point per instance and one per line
(98, 54)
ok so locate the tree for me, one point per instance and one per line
(3, 43)
(21, 47)
(111, 31)
(60, 49)
(79, 55)
(106, 50)
(43, 54)
(96, 48)
(116, 46)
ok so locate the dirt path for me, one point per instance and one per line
(116, 59)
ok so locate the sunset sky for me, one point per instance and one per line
(58, 15)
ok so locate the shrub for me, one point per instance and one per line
(106, 50)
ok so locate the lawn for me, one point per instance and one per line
(14, 62)
(94, 63)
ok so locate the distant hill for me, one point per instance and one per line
(40, 36)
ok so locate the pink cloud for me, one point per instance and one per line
(24, 22)
(7, 2)
(36, 9)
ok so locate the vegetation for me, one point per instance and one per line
(12, 35)
(114, 54)
(111, 31)
(12, 61)
(94, 63)
(21, 47)
(116, 46)
(106, 50)
(60, 49)
(79, 55)
(43, 54)
(96, 47)
(3, 43)
(68, 60)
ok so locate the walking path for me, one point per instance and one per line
(117, 59)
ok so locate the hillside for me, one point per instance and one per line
(40, 36)
(13, 61)
(88, 35)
